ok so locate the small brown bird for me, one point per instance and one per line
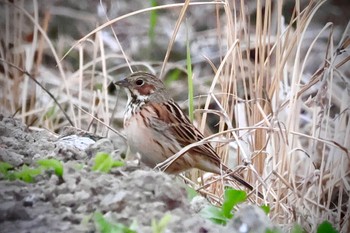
(156, 127)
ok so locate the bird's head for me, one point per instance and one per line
(143, 86)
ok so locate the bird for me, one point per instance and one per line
(157, 128)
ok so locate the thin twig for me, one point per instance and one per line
(42, 87)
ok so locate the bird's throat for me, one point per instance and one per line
(135, 103)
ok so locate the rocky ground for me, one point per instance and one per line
(127, 195)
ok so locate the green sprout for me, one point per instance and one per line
(160, 227)
(4, 167)
(105, 226)
(26, 174)
(265, 208)
(191, 192)
(104, 162)
(53, 164)
(297, 229)
(224, 213)
(326, 227)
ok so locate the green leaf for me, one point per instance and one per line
(222, 215)
(104, 162)
(102, 224)
(189, 78)
(4, 167)
(118, 163)
(11, 176)
(98, 87)
(152, 21)
(27, 174)
(231, 198)
(214, 214)
(52, 164)
(172, 76)
(274, 230)
(326, 227)
(160, 227)
(297, 229)
(191, 193)
(50, 112)
(133, 226)
(266, 209)
(105, 226)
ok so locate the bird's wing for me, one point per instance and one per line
(183, 130)
(169, 116)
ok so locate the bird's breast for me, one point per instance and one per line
(142, 138)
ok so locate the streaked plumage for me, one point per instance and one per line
(156, 127)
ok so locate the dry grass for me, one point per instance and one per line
(286, 129)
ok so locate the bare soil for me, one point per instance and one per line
(126, 195)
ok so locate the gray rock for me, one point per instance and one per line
(11, 157)
(249, 219)
(102, 145)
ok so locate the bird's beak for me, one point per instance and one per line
(122, 83)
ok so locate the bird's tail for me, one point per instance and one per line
(241, 180)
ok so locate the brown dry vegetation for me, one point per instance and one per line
(272, 77)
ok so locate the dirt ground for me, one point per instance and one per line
(128, 195)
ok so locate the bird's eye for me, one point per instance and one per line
(139, 82)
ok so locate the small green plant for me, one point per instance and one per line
(297, 229)
(104, 162)
(4, 168)
(265, 208)
(53, 164)
(105, 226)
(28, 174)
(191, 193)
(326, 227)
(221, 215)
(160, 227)
(273, 231)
